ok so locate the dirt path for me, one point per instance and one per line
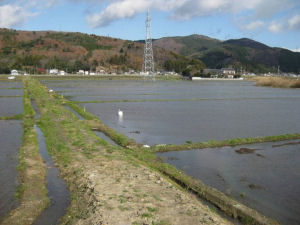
(128, 193)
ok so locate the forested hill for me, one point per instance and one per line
(36, 51)
(249, 54)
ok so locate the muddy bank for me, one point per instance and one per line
(10, 139)
(57, 189)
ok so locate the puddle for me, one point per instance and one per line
(104, 137)
(74, 112)
(58, 192)
(11, 140)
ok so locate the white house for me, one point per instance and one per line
(53, 71)
(62, 73)
(14, 72)
(228, 71)
(80, 72)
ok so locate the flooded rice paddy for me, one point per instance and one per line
(179, 111)
(10, 139)
(9, 104)
(264, 176)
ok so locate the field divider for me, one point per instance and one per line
(224, 143)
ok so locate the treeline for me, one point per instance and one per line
(184, 65)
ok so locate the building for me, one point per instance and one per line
(62, 73)
(227, 71)
(14, 72)
(80, 72)
(53, 71)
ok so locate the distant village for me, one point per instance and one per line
(224, 73)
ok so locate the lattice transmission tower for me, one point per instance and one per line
(148, 64)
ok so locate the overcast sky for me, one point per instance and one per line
(273, 22)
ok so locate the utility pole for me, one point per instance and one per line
(148, 64)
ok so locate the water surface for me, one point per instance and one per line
(10, 139)
(227, 110)
(264, 176)
(11, 106)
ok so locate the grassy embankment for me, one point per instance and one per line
(179, 100)
(230, 142)
(66, 142)
(147, 157)
(277, 82)
(15, 117)
(31, 192)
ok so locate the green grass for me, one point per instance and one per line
(15, 117)
(229, 142)
(12, 96)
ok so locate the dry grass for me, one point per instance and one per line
(277, 82)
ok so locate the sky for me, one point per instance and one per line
(272, 22)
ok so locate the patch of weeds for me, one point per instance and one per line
(146, 215)
(123, 208)
(157, 198)
(109, 150)
(122, 199)
(189, 212)
(243, 195)
(152, 210)
(162, 222)
(136, 223)
(118, 180)
(189, 142)
(125, 191)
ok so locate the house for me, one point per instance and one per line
(14, 72)
(227, 71)
(62, 73)
(80, 72)
(53, 71)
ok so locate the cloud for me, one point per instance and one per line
(275, 27)
(14, 15)
(294, 22)
(254, 25)
(187, 9)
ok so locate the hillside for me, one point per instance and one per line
(239, 53)
(34, 52)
